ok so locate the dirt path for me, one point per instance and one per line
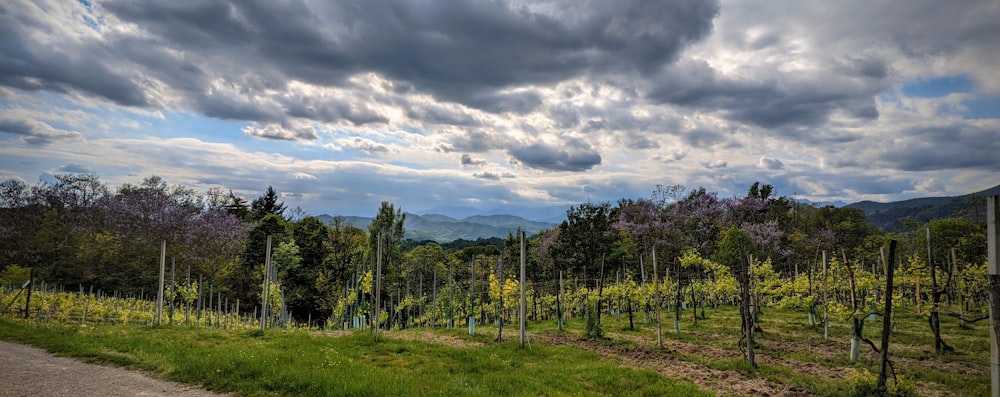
(28, 371)
(721, 382)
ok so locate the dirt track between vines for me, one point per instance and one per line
(29, 371)
(667, 363)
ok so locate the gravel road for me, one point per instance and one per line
(28, 371)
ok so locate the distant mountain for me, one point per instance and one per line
(820, 204)
(889, 216)
(550, 214)
(443, 228)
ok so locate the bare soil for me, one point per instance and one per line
(667, 362)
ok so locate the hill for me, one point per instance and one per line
(890, 216)
(443, 228)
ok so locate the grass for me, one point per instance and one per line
(788, 337)
(351, 363)
(315, 364)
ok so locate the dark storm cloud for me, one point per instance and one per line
(493, 176)
(771, 163)
(468, 160)
(311, 108)
(778, 100)
(476, 141)
(942, 148)
(519, 103)
(575, 156)
(35, 132)
(464, 51)
(89, 68)
(457, 51)
(565, 115)
(878, 185)
(440, 115)
(702, 138)
(641, 141)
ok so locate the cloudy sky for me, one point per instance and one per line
(512, 104)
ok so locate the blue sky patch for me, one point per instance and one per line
(983, 107)
(938, 87)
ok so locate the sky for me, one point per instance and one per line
(505, 106)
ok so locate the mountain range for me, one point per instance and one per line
(443, 228)
(890, 216)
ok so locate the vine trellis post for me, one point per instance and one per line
(159, 294)
(993, 242)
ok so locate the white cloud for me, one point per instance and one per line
(769, 163)
(275, 131)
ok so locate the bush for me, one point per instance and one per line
(865, 383)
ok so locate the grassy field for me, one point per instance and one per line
(704, 359)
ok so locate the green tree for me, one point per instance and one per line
(388, 223)
(311, 238)
(245, 281)
(584, 237)
(262, 206)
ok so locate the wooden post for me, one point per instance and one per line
(993, 242)
(958, 287)
(378, 286)
(656, 302)
(451, 294)
(434, 297)
(472, 297)
(173, 281)
(559, 310)
(524, 302)
(267, 289)
(887, 316)
(200, 305)
(826, 303)
(159, 295)
(31, 285)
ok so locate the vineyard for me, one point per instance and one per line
(745, 295)
(797, 355)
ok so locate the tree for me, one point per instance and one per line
(311, 238)
(142, 216)
(735, 251)
(213, 243)
(947, 240)
(584, 237)
(387, 225)
(264, 205)
(245, 281)
(345, 246)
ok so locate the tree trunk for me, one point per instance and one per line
(935, 317)
(887, 316)
(746, 315)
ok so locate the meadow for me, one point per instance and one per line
(794, 358)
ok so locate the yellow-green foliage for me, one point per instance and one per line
(721, 285)
(864, 383)
(795, 293)
(15, 275)
(766, 282)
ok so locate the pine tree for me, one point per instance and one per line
(267, 204)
